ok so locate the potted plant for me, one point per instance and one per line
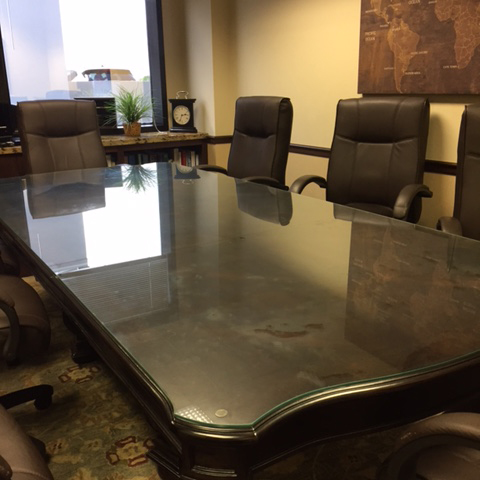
(129, 108)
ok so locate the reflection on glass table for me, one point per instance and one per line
(78, 220)
(247, 321)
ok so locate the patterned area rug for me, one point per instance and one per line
(94, 430)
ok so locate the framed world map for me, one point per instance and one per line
(419, 46)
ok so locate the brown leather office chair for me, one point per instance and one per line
(377, 156)
(24, 323)
(261, 140)
(466, 210)
(444, 447)
(60, 135)
(22, 457)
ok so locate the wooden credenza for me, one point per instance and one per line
(151, 146)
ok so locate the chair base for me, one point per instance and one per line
(40, 394)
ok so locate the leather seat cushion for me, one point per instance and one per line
(19, 452)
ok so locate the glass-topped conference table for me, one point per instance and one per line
(247, 321)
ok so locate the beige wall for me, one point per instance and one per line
(304, 49)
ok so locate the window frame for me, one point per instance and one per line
(156, 56)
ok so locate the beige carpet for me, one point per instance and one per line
(94, 429)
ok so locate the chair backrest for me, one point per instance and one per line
(261, 137)
(60, 135)
(467, 201)
(379, 146)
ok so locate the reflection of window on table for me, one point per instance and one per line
(105, 231)
(125, 291)
(81, 50)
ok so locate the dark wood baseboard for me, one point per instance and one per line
(442, 168)
(309, 150)
(219, 140)
(431, 166)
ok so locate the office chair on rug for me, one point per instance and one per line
(261, 140)
(377, 156)
(24, 322)
(60, 135)
(466, 211)
(444, 447)
(22, 457)
(24, 330)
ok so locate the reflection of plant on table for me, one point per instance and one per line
(139, 178)
(129, 108)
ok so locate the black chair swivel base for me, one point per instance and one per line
(40, 394)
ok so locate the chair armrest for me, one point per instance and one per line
(450, 225)
(406, 197)
(457, 429)
(301, 182)
(212, 168)
(269, 181)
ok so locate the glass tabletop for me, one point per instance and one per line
(237, 300)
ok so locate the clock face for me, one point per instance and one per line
(181, 114)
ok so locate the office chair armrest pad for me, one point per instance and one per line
(450, 225)
(301, 182)
(212, 168)
(406, 197)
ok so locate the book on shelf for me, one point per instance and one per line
(183, 156)
(186, 157)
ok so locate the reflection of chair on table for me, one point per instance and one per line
(85, 191)
(266, 203)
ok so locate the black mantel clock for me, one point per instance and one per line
(182, 113)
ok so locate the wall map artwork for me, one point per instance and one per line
(420, 46)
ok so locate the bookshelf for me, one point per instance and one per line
(157, 147)
(189, 149)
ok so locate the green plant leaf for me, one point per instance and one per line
(128, 107)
